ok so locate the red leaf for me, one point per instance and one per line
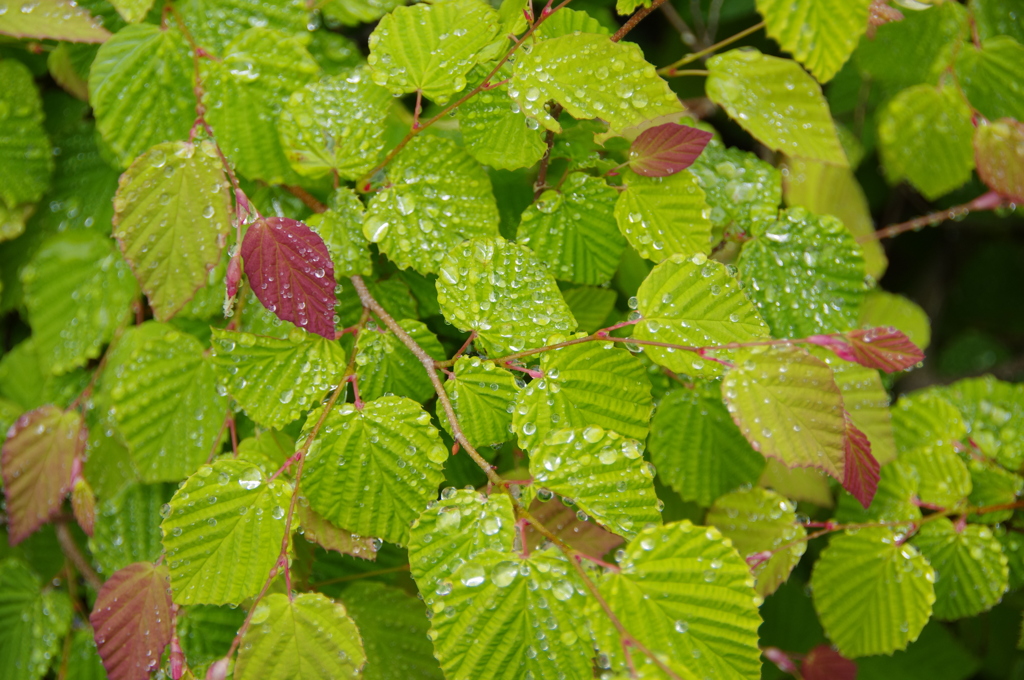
(861, 470)
(838, 345)
(37, 461)
(885, 348)
(83, 504)
(780, 659)
(132, 620)
(666, 149)
(825, 663)
(291, 273)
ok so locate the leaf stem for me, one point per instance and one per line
(75, 556)
(690, 72)
(670, 70)
(427, 361)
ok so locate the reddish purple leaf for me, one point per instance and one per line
(860, 469)
(838, 345)
(83, 504)
(666, 149)
(291, 273)
(37, 462)
(884, 348)
(132, 620)
(825, 663)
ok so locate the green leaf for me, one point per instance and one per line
(820, 36)
(831, 190)
(866, 400)
(335, 125)
(923, 44)
(316, 529)
(222, 532)
(374, 469)
(568, 21)
(392, 293)
(696, 303)
(942, 477)
(437, 198)
(988, 77)
(132, 11)
(697, 448)
(924, 135)
(996, 17)
(590, 305)
(307, 636)
(990, 408)
(394, 632)
(25, 378)
(245, 91)
(483, 397)
(341, 228)
(127, 528)
(603, 473)
(502, 292)
(789, 407)
(498, 604)
(799, 484)
(494, 130)
(578, 71)
(52, 20)
(999, 157)
(276, 381)
(759, 521)
(971, 572)
(805, 274)
(992, 485)
(872, 593)
(131, 114)
(28, 161)
(355, 12)
(453, 531)
(686, 594)
(573, 230)
(741, 189)
(206, 632)
(83, 661)
(33, 623)
(582, 385)
(431, 48)
(887, 309)
(753, 88)
(171, 245)
(664, 216)
(385, 366)
(78, 291)
(935, 655)
(163, 394)
(214, 23)
(926, 419)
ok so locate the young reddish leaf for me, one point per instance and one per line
(291, 273)
(587, 537)
(780, 659)
(860, 469)
(999, 157)
(330, 537)
(132, 620)
(83, 504)
(37, 461)
(825, 663)
(838, 346)
(884, 348)
(666, 149)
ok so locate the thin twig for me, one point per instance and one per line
(988, 201)
(75, 556)
(637, 17)
(690, 58)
